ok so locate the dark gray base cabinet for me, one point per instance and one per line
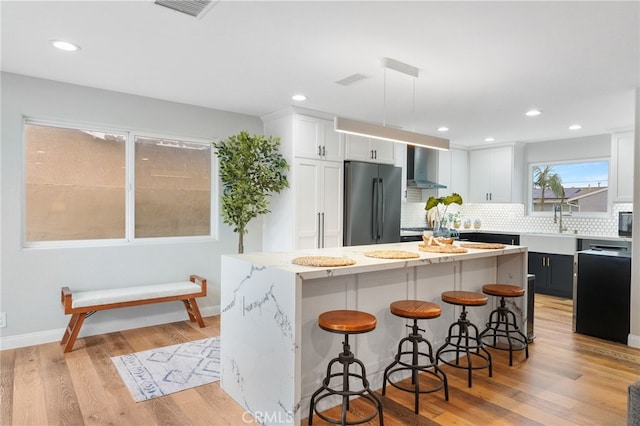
(554, 273)
(484, 237)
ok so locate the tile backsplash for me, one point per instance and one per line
(512, 218)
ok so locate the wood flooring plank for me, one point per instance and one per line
(7, 368)
(165, 411)
(95, 402)
(29, 401)
(61, 398)
(127, 409)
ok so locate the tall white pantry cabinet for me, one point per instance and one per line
(309, 213)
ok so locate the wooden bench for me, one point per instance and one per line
(82, 304)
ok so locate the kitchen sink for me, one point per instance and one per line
(549, 243)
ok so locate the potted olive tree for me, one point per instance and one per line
(251, 169)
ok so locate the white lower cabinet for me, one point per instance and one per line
(318, 203)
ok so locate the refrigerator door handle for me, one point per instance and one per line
(374, 209)
(381, 209)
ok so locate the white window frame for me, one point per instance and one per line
(129, 238)
(529, 178)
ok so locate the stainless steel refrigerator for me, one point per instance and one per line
(372, 198)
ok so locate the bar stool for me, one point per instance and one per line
(418, 361)
(502, 322)
(346, 322)
(465, 334)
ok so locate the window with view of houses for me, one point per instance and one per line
(578, 187)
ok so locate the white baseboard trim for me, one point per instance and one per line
(633, 341)
(48, 336)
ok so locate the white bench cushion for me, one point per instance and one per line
(82, 299)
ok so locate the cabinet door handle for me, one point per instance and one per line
(322, 233)
(375, 154)
(543, 261)
(490, 196)
(318, 245)
(319, 151)
(324, 151)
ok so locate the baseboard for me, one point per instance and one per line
(633, 341)
(48, 336)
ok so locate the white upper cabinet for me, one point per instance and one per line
(453, 172)
(495, 175)
(360, 148)
(622, 167)
(316, 139)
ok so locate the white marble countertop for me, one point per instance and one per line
(282, 260)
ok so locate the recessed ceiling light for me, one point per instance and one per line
(533, 112)
(489, 139)
(575, 127)
(443, 129)
(299, 97)
(65, 45)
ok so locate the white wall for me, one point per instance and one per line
(579, 148)
(31, 278)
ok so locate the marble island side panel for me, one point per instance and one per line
(273, 354)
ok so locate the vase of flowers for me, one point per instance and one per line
(441, 218)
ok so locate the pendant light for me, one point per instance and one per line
(376, 131)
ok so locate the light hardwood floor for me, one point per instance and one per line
(569, 379)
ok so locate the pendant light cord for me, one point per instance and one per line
(384, 96)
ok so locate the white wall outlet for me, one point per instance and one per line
(3, 319)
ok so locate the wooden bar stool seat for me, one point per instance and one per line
(502, 331)
(346, 322)
(413, 359)
(464, 298)
(415, 309)
(463, 339)
(503, 290)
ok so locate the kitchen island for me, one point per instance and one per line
(274, 355)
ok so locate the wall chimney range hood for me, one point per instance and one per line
(421, 168)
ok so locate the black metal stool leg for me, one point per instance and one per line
(346, 358)
(415, 367)
(466, 344)
(503, 324)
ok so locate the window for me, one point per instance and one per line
(88, 184)
(579, 187)
(173, 188)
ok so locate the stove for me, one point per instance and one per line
(412, 234)
(415, 234)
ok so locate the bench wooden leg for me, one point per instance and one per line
(70, 335)
(194, 313)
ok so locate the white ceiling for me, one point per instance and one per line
(482, 64)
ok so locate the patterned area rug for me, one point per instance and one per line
(161, 371)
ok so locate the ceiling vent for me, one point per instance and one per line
(351, 79)
(196, 8)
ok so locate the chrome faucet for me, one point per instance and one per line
(557, 217)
